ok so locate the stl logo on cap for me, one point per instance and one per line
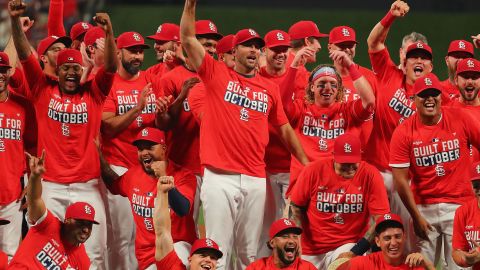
(212, 27)
(478, 168)
(70, 58)
(209, 242)
(347, 148)
(145, 132)
(136, 37)
(428, 81)
(287, 222)
(88, 210)
(345, 32)
(387, 216)
(470, 64)
(159, 29)
(280, 36)
(419, 45)
(55, 37)
(85, 25)
(461, 45)
(252, 32)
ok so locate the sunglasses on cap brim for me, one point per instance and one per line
(432, 92)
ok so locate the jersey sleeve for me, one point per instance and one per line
(208, 68)
(55, 19)
(472, 128)
(459, 241)
(186, 183)
(295, 111)
(34, 76)
(120, 186)
(44, 223)
(277, 115)
(101, 84)
(196, 100)
(170, 261)
(358, 112)
(400, 148)
(382, 64)
(110, 104)
(300, 192)
(377, 200)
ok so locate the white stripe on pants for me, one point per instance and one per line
(11, 234)
(197, 202)
(233, 205)
(120, 230)
(58, 197)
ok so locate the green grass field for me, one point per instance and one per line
(440, 28)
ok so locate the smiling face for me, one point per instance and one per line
(417, 64)
(325, 91)
(69, 75)
(148, 152)
(246, 56)
(452, 59)
(51, 55)
(348, 47)
(391, 242)
(77, 231)
(161, 47)
(5, 73)
(346, 170)
(468, 83)
(286, 247)
(203, 260)
(209, 44)
(277, 57)
(428, 103)
(132, 59)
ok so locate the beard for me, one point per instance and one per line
(130, 67)
(284, 259)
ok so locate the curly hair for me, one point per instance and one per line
(309, 95)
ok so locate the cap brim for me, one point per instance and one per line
(426, 52)
(388, 223)
(215, 36)
(295, 230)
(4, 222)
(347, 159)
(158, 38)
(278, 45)
(143, 46)
(145, 140)
(321, 35)
(215, 251)
(67, 41)
(3, 65)
(433, 91)
(257, 39)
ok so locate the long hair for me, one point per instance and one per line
(310, 96)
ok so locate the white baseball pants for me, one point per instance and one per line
(322, 261)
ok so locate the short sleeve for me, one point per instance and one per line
(101, 84)
(110, 105)
(300, 193)
(34, 76)
(377, 200)
(120, 186)
(382, 64)
(207, 69)
(358, 112)
(171, 261)
(458, 239)
(400, 148)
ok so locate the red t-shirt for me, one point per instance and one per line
(466, 228)
(234, 129)
(277, 156)
(183, 139)
(393, 105)
(171, 262)
(474, 112)
(450, 90)
(301, 81)
(157, 70)
(16, 115)
(267, 263)
(123, 96)
(141, 190)
(43, 248)
(196, 101)
(317, 128)
(373, 261)
(3, 260)
(67, 123)
(338, 209)
(437, 156)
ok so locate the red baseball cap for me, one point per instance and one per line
(282, 225)
(153, 135)
(45, 43)
(347, 149)
(167, 32)
(4, 222)
(205, 244)
(277, 38)
(419, 46)
(81, 210)
(468, 65)
(93, 34)
(131, 39)
(475, 171)
(304, 29)
(427, 82)
(461, 46)
(225, 44)
(388, 219)
(69, 56)
(341, 34)
(245, 35)
(208, 28)
(79, 28)
(4, 60)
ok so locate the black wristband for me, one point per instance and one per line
(360, 247)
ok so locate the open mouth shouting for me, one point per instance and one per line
(418, 70)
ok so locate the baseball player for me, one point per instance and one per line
(3, 255)
(77, 33)
(51, 243)
(224, 50)
(233, 136)
(393, 103)
(17, 132)
(467, 79)
(408, 40)
(337, 201)
(320, 117)
(457, 50)
(285, 245)
(432, 147)
(139, 185)
(93, 49)
(130, 107)
(69, 112)
(465, 240)
(390, 237)
(207, 34)
(167, 41)
(204, 253)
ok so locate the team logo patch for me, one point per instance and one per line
(280, 36)
(70, 58)
(136, 37)
(338, 219)
(252, 32)
(428, 82)
(347, 148)
(287, 222)
(88, 210)
(470, 64)
(419, 45)
(209, 243)
(159, 29)
(440, 170)
(478, 168)
(55, 37)
(244, 114)
(212, 27)
(2, 146)
(387, 217)
(85, 26)
(461, 45)
(322, 144)
(345, 32)
(145, 132)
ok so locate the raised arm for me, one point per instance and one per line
(378, 35)
(110, 63)
(55, 19)
(363, 87)
(161, 214)
(16, 8)
(192, 46)
(112, 124)
(36, 205)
